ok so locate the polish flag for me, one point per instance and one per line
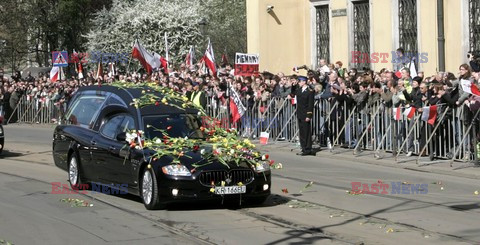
(429, 114)
(236, 106)
(78, 67)
(164, 64)
(111, 70)
(56, 73)
(469, 87)
(397, 112)
(294, 100)
(264, 138)
(145, 58)
(99, 70)
(398, 74)
(413, 69)
(209, 59)
(80, 70)
(409, 112)
(189, 61)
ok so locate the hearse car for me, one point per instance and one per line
(91, 146)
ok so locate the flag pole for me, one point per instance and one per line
(228, 105)
(129, 60)
(166, 51)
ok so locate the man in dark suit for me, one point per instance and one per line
(305, 96)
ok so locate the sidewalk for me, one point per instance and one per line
(438, 166)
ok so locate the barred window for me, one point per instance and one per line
(323, 33)
(361, 30)
(474, 20)
(407, 24)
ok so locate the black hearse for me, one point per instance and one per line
(91, 146)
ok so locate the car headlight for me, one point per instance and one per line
(176, 170)
(262, 167)
(1, 130)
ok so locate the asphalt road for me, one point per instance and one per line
(323, 213)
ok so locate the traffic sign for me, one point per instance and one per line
(60, 58)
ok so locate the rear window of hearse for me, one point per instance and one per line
(84, 110)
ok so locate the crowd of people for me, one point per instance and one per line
(329, 82)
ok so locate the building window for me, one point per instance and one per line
(361, 31)
(323, 33)
(474, 20)
(407, 24)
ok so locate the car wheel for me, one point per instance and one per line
(149, 190)
(74, 172)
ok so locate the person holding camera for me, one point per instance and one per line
(474, 60)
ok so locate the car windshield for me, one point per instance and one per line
(176, 125)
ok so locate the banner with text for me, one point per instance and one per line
(246, 64)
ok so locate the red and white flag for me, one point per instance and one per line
(397, 112)
(469, 87)
(190, 59)
(409, 112)
(148, 60)
(413, 69)
(236, 106)
(80, 70)
(429, 114)
(99, 70)
(264, 138)
(209, 59)
(398, 74)
(164, 64)
(56, 73)
(78, 64)
(111, 70)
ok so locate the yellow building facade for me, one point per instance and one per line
(289, 33)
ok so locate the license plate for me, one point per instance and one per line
(230, 190)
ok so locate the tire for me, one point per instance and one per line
(74, 176)
(149, 190)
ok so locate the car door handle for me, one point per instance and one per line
(93, 142)
(111, 148)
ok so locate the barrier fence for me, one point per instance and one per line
(40, 111)
(335, 125)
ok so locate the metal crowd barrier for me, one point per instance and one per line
(369, 128)
(40, 111)
(335, 125)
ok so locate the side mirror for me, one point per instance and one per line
(122, 137)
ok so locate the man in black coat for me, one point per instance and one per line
(305, 97)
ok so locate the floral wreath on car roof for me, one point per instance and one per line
(225, 144)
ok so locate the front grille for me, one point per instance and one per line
(240, 175)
